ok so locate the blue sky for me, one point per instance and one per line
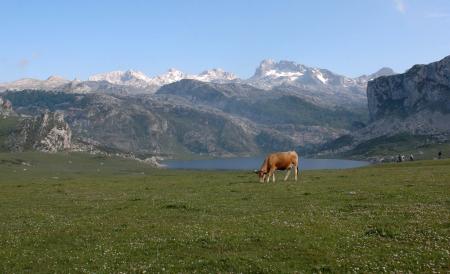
(350, 37)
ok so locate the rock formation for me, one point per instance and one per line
(47, 133)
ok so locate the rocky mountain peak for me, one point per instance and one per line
(172, 75)
(283, 68)
(55, 78)
(384, 71)
(121, 77)
(423, 87)
(134, 74)
(215, 75)
(266, 64)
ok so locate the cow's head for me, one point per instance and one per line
(261, 175)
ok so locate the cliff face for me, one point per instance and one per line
(423, 88)
(48, 133)
(415, 103)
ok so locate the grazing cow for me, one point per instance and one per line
(278, 161)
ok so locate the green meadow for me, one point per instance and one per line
(78, 213)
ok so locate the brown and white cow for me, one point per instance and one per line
(278, 161)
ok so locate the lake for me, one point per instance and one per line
(252, 163)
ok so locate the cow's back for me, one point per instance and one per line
(283, 160)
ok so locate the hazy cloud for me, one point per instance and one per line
(400, 6)
(25, 62)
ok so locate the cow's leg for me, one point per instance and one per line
(263, 179)
(271, 174)
(296, 172)
(287, 174)
(268, 177)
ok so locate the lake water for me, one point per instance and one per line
(252, 163)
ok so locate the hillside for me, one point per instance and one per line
(190, 118)
(262, 106)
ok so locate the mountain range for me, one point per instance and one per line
(183, 118)
(319, 86)
(283, 106)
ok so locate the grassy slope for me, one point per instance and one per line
(296, 111)
(7, 126)
(422, 147)
(75, 213)
(401, 144)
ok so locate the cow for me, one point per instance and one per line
(278, 161)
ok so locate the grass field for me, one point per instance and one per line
(88, 214)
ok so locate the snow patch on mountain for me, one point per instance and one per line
(127, 78)
(172, 75)
(214, 75)
(290, 75)
(320, 76)
(138, 79)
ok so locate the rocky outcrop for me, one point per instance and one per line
(48, 132)
(415, 103)
(5, 108)
(423, 87)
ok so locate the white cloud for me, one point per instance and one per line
(400, 6)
